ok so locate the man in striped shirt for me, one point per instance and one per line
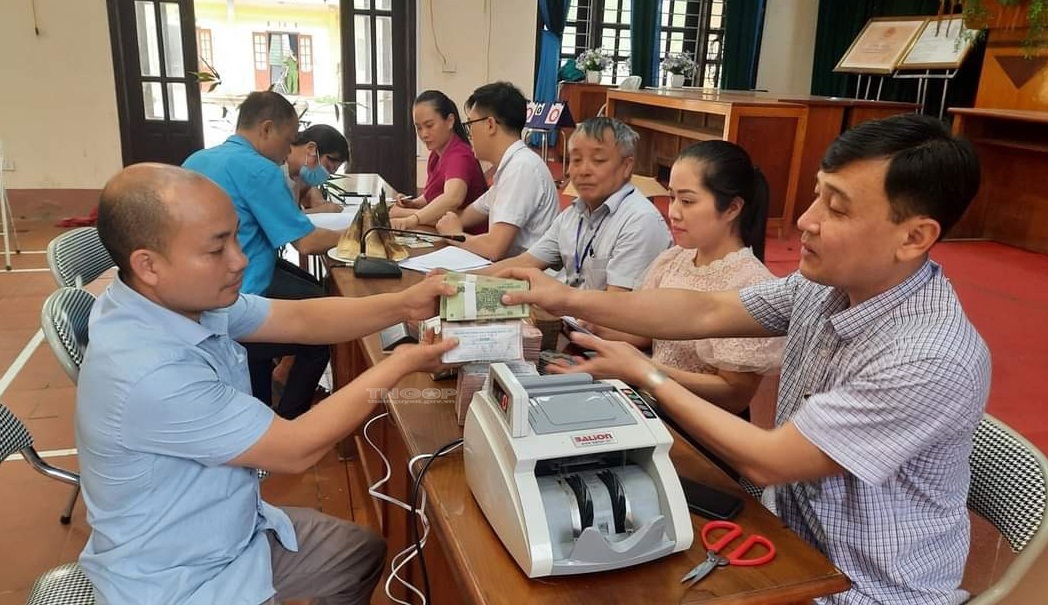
(884, 378)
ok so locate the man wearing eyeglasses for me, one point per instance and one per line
(522, 202)
(606, 238)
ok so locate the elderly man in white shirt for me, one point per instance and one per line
(522, 202)
(606, 238)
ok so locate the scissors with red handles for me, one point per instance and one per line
(741, 556)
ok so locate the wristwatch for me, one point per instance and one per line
(654, 378)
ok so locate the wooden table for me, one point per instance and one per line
(465, 559)
(365, 183)
(1011, 207)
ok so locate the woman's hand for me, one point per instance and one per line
(413, 203)
(407, 223)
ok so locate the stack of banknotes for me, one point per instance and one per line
(487, 330)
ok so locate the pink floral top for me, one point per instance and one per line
(675, 268)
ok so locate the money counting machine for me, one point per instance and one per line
(573, 474)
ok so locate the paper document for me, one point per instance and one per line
(479, 297)
(450, 258)
(483, 341)
(336, 221)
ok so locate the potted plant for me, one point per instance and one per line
(593, 62)
(678, 66)
(1010, 14)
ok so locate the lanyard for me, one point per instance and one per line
(588, 250)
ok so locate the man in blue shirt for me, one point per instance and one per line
(248, 167)
(168, 433)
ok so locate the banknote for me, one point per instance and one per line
(483, 341)
(479, 298)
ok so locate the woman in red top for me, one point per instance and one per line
(453, 175)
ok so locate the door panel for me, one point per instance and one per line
(158, 99)
(378, 51)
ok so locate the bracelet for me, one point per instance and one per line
(654, 378)
(418, 221)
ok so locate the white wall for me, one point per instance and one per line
(482, 40)
(60, 125)
(58, 117)
(788, 46)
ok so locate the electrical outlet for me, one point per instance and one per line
(9, 165)
(449, 67)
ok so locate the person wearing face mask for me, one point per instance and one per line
(453, 175)
(316, 153)
(247, 166)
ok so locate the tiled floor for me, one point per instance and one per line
(42, 396)
(1004, 291)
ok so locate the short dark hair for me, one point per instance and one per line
(328, 139)
(445, 107)
(263, 105)
(728, 172)
(132, 216)
(930, 172)
(502, 101)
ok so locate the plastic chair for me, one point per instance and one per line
(1008, 489)
(64, 321)
(77, 257)
(63, 585)
(630, 83)
(15, 437)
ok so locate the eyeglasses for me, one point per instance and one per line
(469, 123)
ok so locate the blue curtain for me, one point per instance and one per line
(743, 27)
(644, 40)
(552, 14)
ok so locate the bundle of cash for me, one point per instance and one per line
(483, 340)
(479, 298)
(548, 357)
(531, 339)
(474, 376)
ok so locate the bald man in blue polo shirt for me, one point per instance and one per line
(247, 166)
(168, 433)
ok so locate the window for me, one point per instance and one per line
(205, 49)
(261, 52)
(305, 53)
(695, 27)
(599, 24)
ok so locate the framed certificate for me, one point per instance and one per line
(942, 44)
(881, 45)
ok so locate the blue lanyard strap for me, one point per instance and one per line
(588, 250)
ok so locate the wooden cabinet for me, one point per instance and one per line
(584, 100)
(785, 135)
(671, 120)
(1013, 150)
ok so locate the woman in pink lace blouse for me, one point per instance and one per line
(717, 216)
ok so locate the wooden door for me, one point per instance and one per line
(154, 49)
(378, 51)
(305, 65)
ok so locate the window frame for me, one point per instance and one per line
(697, 36)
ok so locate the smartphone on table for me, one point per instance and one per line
(709, 501)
